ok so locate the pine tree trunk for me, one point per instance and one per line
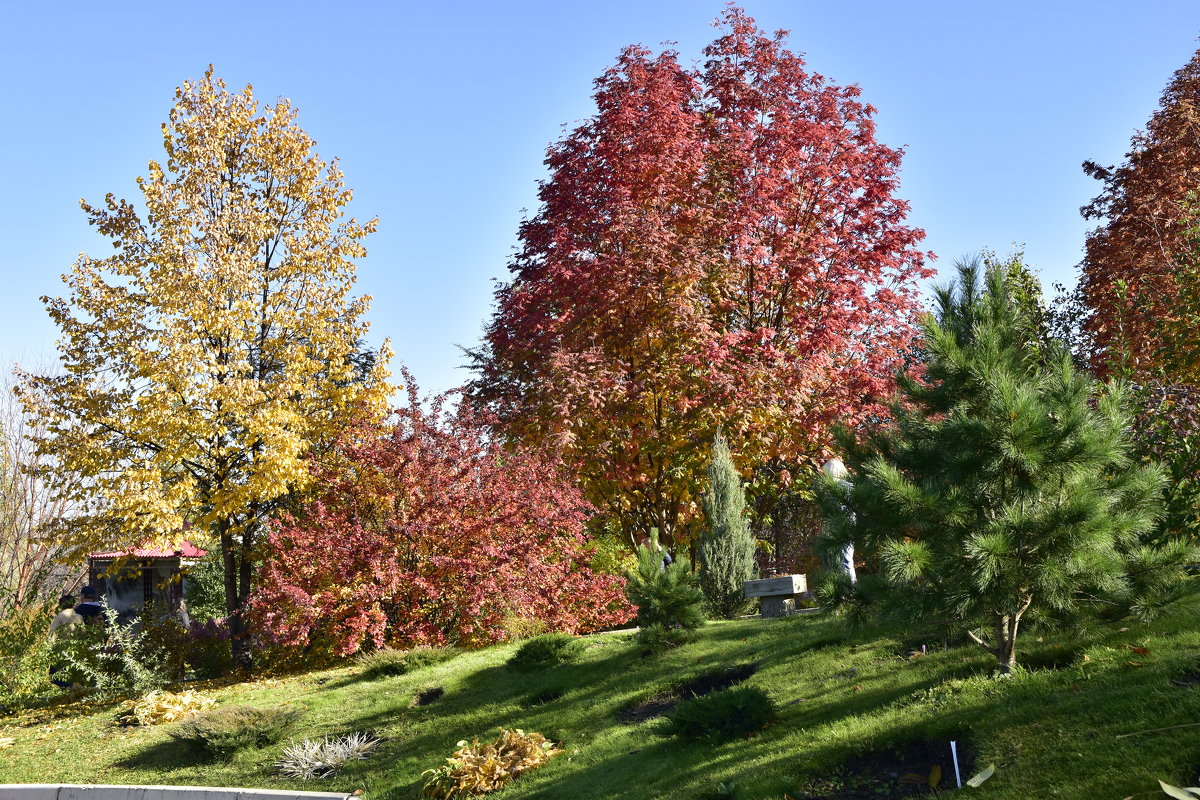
(1006, 642)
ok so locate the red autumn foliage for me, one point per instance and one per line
(433, 533)
(714, 248)
(1138, 263)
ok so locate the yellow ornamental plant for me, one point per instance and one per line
(217, 350)
(477, 769)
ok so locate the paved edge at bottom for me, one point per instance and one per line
(78, 791)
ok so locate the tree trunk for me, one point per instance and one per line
(243, 657)
(233, 617)
(236, 561)
(1006, 642)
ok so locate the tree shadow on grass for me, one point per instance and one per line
(167, 755)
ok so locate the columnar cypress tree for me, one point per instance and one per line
(725, 548)
(1006, 486)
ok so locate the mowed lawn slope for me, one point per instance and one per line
(858, 711)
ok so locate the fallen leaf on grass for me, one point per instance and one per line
(1141, 651)
(935, 776)
(1136, 663)
(981, 777)
(1179, 792)
(913, 777)
(7, 741)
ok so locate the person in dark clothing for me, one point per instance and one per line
(90, 609)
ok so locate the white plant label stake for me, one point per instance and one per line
(954, 752)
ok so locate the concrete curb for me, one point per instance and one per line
(75, 791)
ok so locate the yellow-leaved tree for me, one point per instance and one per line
(216, 351)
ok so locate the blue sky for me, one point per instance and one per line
(441, 113)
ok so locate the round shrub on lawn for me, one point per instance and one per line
(724, 715)
(223, 731)
(388, 662)
(545, 651)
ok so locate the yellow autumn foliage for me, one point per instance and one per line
(476, 768)
(207, 359)
(159, 707)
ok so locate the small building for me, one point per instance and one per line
(145, 577)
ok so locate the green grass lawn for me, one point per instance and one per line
(856, 712)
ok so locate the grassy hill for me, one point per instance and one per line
(858, 710)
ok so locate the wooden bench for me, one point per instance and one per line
(777, 596)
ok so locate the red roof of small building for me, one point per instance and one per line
(184, 549)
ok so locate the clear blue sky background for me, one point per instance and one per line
(441, 113)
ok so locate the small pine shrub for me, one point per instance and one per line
(481, 768)
(324, 758)
(223, 731)
(669, 596)
(658, 639)
(546, 651)
(389, 662)
(721, 716)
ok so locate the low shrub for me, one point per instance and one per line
(223, 731)
(209, 654)
(324, 758)
(162, 640)
(117, 660)
(658, 638)
(546, 651)
(26, 654)
(476, 768)
(389, 662)
(724, 715)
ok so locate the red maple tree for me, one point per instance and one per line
(431, 533)
(715, 248)
(1140, 262)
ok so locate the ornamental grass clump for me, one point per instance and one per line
(546, 651)
(477, 769)
(324, 758)
(223, 731)
(720, 716)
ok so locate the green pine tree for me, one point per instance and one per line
(665, 595)
(1005, 488)
(725, 548)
